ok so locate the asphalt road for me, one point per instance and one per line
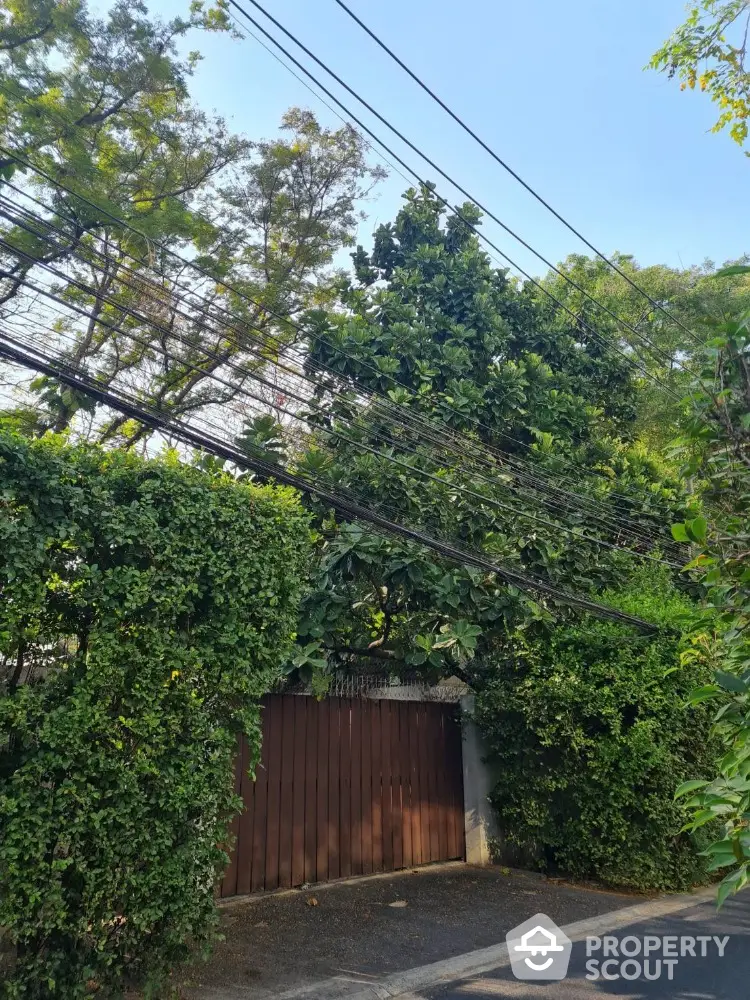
(693, 977)
(353, 934)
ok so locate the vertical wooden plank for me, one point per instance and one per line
(275, 711)
(424, 804)
(377, 800)
(260, 823)
(247, 819)
(311, 790)
(433, 749)
(442, 789)
(459, 816)
(345, 785)
(245, 858)
(385, 715)
(334, 732)
(416, 784)
(404, 718)
(286, 808)
(322, 791)
(397, 807)
(229, 882)
(298, 790)
(450, 771)
(385, 751)
(365, 710)
(355, 762)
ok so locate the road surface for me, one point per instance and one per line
(707, 976)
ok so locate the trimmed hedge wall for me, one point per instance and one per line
(146, 607)
(589, 737)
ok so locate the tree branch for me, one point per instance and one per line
(33, 37)
(97, 119)
(378, 653)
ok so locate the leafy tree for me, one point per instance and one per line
(587, 736)
(716, 447)
(430, 325)
(667, 349)
(146, 609)
(709, 51)
(102, 106)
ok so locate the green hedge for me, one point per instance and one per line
(146, 607)
(589, 738)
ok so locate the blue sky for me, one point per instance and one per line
(557, 89)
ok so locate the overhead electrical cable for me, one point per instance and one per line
(589, 509)
(39, 361)
(414, 470)
(516, 176)
(508, 437)
(215, 422)
(15, 214)
(578, 320)
(451, 180)
(505, 435)
(127, 225)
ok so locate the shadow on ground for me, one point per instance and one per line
(354, 935)
(708, 976)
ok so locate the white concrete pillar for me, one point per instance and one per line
(479, 817)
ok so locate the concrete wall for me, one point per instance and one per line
(479, 817)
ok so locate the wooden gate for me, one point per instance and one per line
(347, 787)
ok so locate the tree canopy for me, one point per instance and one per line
(437, 335)
(709, 51)
(668, 341)
(100, 108)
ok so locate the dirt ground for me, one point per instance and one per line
(341, 935)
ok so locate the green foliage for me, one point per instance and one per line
(716, 451)
(262, 437)
(146, 608)
(429, 323)
(102, 105)
(693, 296)
(588, 738)
(709, 51)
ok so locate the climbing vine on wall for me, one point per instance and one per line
(146, 607)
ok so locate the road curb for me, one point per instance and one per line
(484, 960)
(405, 985)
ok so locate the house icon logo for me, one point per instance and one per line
(538, 949)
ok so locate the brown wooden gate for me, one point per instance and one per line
(347, 787)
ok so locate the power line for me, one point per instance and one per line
(302, 400)
(217, 424)
(495, 156)
(276, 470)
(314, 336)
(435, 166)
(287, 319)
(440, 442)
(578, 320)
(201, 270)
(37, 360)
(509, 437)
